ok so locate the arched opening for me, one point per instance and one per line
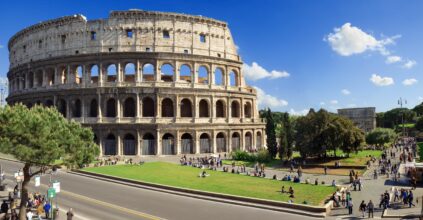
(187, 144)
(167, 72)
(129, 108)
(247, 110)
(95, 139)
(258, 141)
(49, 103)
(148, 107)
(233, 79)
(76, 108)
(203, 75)
(148, 72)
(236, 144)
(220, 143)
(148, 144)
(39, 78)
(78, 75)
(50, 76)
(111, 73)
(30, 80)
(219, 78)
(94, 74)
(185, 73)
(204, 109)
(61, 107)
(93, 108)
(167, 108)
(235, 109)
(220, 109)
(186, 108)
(130, 72)
(205, 146)
(168, 144)
(111, 108)
(129, 145)
(249, 141)
(110, 145)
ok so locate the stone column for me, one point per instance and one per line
(178, 143)
(213, 141)
(68, 102)
(253, 137)
(194, 72)
(70, 78)
(83, 110)
(229, 141)
(138, 107)
(139, 143)
(242, 116)
(177, 108)
(100, 74)
(100, 143)
(118, 109)
(212, 109)
(229, 109)
(119, 73)
(196, 142)
(158, 107)
(118, 144)
(242, 140)
(212, 77)
(44, 83)
(84, 78)
(195, 106)
(99, 112)
(157, 71)
(158, 143)
(138, 75)
(176, 71)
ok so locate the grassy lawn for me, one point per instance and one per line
(220, 182)
(420, 150)
(355, 159)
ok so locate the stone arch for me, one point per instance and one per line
(247, 110)
(93, 108)
(76, 108)
(111, 73)
(258, 140)
(185, 73)
(220, 109)
(167, 108)
(111, 108)
(48, 103)
(235, 110)
(39, 78)
(167, 72)
(186, 108)
(148, 144)
(129, 107)
(110, 145)
(205, 144)
(233, 78)
(61, 107)
(204, 109)
(187, 146)
(221, 142)
(129, 145)
(129, 72)
(168, 144)
(78, 74)
(236, 141)
(148, 107)
(219, 76)
(50, 76)
(203, 75)
(94, 73)
(148, 72)
(248, 141)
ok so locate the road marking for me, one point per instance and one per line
(98, 202)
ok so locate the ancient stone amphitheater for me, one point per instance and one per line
(148, 83)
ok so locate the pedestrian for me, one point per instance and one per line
(350, 206)
(69, 214)
(326, 170)
(359, 184)
(362, 207)
(410, 199)
(47, 208)
(29, 214)
(14, 215)
(4, 207)
(370, 208)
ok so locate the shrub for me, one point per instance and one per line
(240, 155)
(263, 156)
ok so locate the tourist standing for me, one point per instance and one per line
(363, 207)
(350, 206)
(370, 208)
(69, 214)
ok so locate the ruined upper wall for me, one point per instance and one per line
(72, 35)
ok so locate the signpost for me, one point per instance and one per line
(37, 181)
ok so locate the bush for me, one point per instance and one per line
(240, 155)
(262, 156)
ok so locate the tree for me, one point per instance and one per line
(419, 124)
(394, 116)
(380, 136)
(271, 134)
(39, 136)
(418, 109)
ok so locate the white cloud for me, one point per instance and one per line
(1, 46)
(409, 64)
(266, 100)
(322, 103)
(348, 40)
(381, 81)
(345, 92)
(333, 102)
(393, 59)
(409, 82)
(256, 72)
(3, 80)
(298, 113)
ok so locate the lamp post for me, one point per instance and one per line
(402, 101)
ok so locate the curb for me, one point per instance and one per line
(312, 211)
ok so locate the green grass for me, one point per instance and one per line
(407, 125)
(359, 158)
(420, 150)
(219, 182)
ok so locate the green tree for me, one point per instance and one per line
(39, 136)
(418, 109)
(271, 134)
(394, 116)
(381, 136)
(419, 124)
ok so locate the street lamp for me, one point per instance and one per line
(402, 101)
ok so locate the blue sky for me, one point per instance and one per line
(307, 54)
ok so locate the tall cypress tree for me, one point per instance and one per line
(271, 134)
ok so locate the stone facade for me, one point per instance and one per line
(363, 118)
(148, 83)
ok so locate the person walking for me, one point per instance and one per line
(362, 208)
(370, 208)
(69, 214)
(47, 208)
(4, 207)
(350, 206)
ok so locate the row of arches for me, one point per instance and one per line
(186, 145)
(148, 108)
(111, 72)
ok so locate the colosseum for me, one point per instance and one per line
(147, 83)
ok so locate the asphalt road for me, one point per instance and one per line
(98, 199)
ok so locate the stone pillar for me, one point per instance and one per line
(100, 143)
(178, 143)
(242, 116)
(212, 109)
(176, 71)
(99, 112)
(242, 140)
(84, 79)
(158, 107)
(138, 70)
(139, 143)
(194, 72)
(44, 84)
(68, 102)
(195, 105)
(212, 77)
(213, 141)
(229, 141)
(119, 73)
(157, 72)
(254, 138)
(57, 77)
(196, 142)
(158, 143)
(229, 109)
(27, 80)
(118, 109)
(70, 77)
(100, 74)
(177, 107)
(83, 110)
(138, 107)
(118, 144)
